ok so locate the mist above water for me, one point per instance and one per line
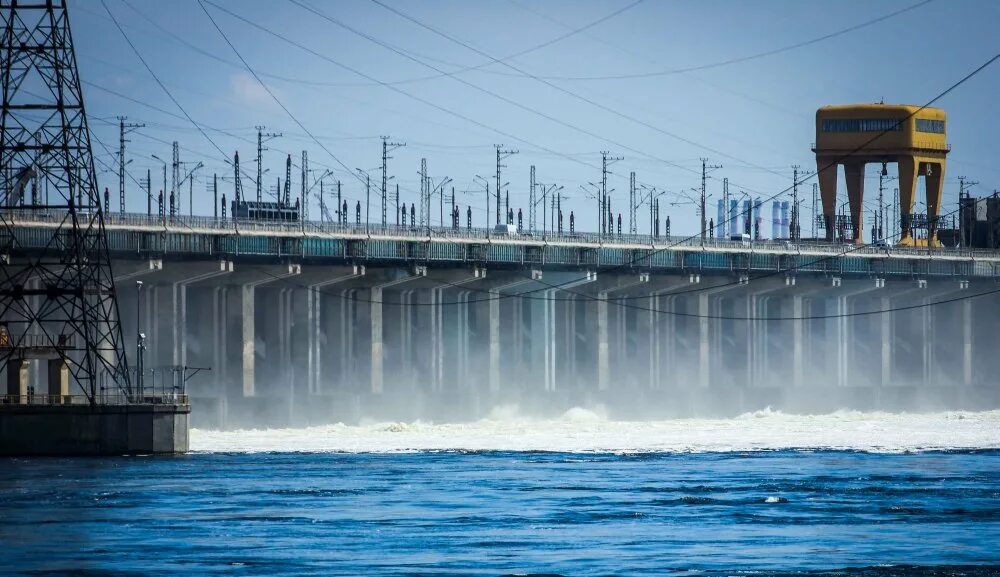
(589, 430)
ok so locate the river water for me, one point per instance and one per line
(757, 495)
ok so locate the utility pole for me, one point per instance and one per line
(968, 216)
(815, 188)
(262, 137)
(287, 199)
(368, 200)
(175, 180)
(149, 192)
(237, 183)
(880, 220)
(531, 202)
(189, 177)
(603, 202)
(215, 195)
(502, 153)
(725, 206)
(304, 216)
(123, 129)
(386, 148)
(701, 204)
(322, 205)
(793, 230)
(425, 202)
(632, 227)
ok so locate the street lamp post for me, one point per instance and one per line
(368, 196)
(140, 340)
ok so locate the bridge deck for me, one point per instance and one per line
(208, 238)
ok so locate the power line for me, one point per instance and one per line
(498, 96)
(160, 83)
(434, 105)
(847, 154)
(741, 59)
(307, 82)
(201, 3)
(480, 124)
(807, 177)
(358, 72)
(552, 85)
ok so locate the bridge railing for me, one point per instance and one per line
(46, 399)
(211, 225)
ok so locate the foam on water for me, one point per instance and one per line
(586, 430)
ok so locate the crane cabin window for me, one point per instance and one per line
(863, 125)
(928, 125)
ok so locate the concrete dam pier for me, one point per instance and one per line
(297, 344)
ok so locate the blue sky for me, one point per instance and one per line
(556, 104)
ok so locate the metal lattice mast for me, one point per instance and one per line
(237, 182)
(287, 200)
(59, 299)
(387, 147)
(531, 202)
(424, 196)
(262, 137)
(632, 225)
(123, 129)
(175, 180)
(304, 196)
(604, 201)
(501, 154)
(703, 200)
(793, 230)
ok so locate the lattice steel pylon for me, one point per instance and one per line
(57, 300)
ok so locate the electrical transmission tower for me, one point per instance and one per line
(388, 147)
(123, 129)
(58, 301)
(262, 137)
(701, 203)
(502, 153)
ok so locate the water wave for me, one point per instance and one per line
(588, 430)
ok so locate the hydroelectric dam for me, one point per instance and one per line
(311, 323)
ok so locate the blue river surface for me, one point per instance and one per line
(500, 513)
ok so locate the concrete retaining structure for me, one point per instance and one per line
(84, 430)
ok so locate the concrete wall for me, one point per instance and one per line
(103, 430)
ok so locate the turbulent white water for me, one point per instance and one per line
(582, 430)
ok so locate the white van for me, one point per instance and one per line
(505, 229)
